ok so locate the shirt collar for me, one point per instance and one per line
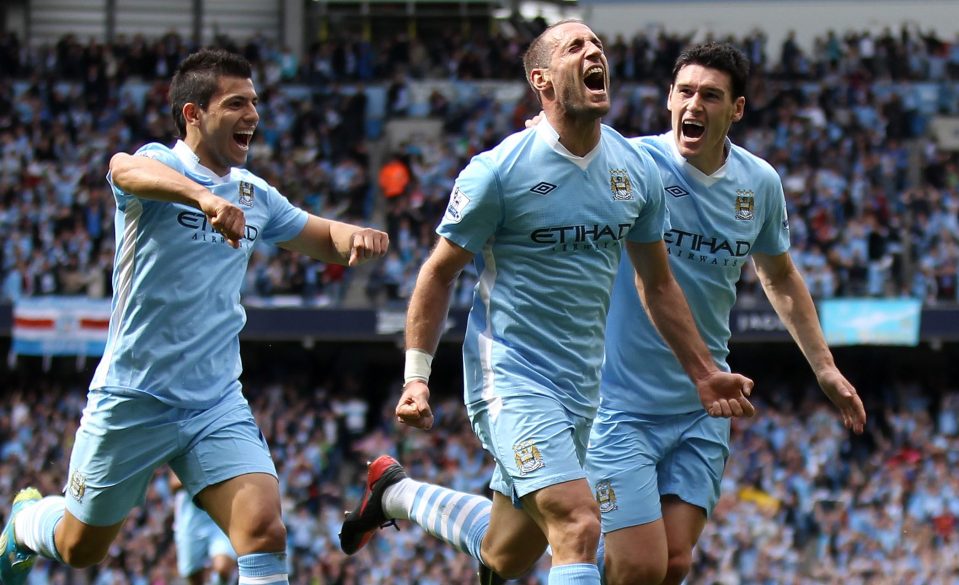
(546, 131)
(192, 163)
(701, 177)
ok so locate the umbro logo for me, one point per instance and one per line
(677, 191)
(543, 188)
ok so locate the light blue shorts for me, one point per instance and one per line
(124, 437)
(535, 441)
(634, 460)
(198, 539)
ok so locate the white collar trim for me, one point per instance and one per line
(551, 136)
(192, 162)
(698, 175)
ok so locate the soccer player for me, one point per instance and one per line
(167, 390)
(201, 547)
(656, 458)
(544, 216)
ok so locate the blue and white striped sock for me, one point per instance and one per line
(575, 574)
(457, 518)
(36, 526)
(262, 569)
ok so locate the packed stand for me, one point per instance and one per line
(804, 501)
(65, 110)
(873, 202)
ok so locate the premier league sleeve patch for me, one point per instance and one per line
(458, 203)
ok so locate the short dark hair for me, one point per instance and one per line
(721, 56)
(538, 53)
(197, 78)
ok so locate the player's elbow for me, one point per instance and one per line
(120, 165)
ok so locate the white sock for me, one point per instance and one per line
(398, 498)
(36, 525)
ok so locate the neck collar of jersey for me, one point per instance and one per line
(545, 130)
(192, 163)
(701, 177)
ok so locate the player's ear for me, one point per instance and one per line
(740, 108)
(669, 95)
(539, 79)
(191, 113)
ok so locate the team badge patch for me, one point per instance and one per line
(528, 457)
(458, 202)
(78, 485)
(246, 194)
(620, 185)
(745, 201)
(606, 496)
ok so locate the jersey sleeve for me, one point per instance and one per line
(653, 220)
(475, 208)
(773, 238)
(286, 220)
(153, 150)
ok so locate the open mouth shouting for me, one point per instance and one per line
(693, 130)
(595, 79)
(243, 138)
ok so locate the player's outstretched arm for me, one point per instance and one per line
(339, 243)
(721, 393)
(151, 179)
(425, 319)
(791, 300)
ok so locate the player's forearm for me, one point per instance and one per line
(669, 312)
(341, 241)
(791, 300)
(144, 177)
(428, 310)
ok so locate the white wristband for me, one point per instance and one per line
(418, 366)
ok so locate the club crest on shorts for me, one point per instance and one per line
(246, 194)
(528, 457)
(78, 485)
(745, 201)
(606, 496)
(620, 185)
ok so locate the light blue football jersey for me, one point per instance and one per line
(547, 229)
(176, 311)
(717, 221)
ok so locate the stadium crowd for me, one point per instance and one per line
(873, 203)
(804, 501)
(874, 211)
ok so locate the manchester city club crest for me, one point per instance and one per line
(606, 496)
(528, 457)
(745, 201)
(620, 185)
(77, 486)
(246, 194)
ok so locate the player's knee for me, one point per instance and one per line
(634, 571)
(576, 533)
(509, 564)
(266, 533)
(81, 554)
(509, 561)
(678, 567)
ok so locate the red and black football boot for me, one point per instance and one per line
(362, 523)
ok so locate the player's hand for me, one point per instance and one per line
(367, 244)
(413, 409)
(224, 217)
(726, 395)
(842, 393)
(535, 119)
